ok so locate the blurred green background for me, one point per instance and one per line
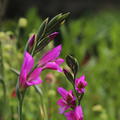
(93, 39)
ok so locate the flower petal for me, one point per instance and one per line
(35, 74)
(80, 84)
(28, 63)
(61, 102)
(59, 61)
(78, 113)
(22, 79)
(50, 55)
(62, 92)
(63, 109)
(53, 66)
(34, 82)
(70, 115)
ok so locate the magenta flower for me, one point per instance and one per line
(67, 101)
(75, 114)
(80, 84)
(30, 77)
(51, 61)
(27, 76)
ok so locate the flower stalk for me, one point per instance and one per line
(30, 73)
(2, 72)
(72, 100)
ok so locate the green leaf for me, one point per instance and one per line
(73, 64)
(15, 71)
(1, 63)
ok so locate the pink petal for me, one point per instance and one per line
(78, 113)
(61, 102)
(59, 61)
(70, 115)
(35, 74)
(28, 63)
(53, 66)
(50, 55)
(70, 93)
(80, 84)
(82, 78)
(63, 109)
(62, 92)
(34, 82)
(23, 78)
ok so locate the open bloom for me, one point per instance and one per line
(51, 61)
(75, 114)
(30, 76)
(67, 101)
(80, 84)
(27, 76)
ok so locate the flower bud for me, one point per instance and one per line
(22, 22)
(53, 35)
(31, 40)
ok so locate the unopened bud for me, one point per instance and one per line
(31, 40)
(53, 35)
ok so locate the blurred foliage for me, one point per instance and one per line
(93, 40)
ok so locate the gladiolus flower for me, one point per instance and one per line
(75, 114)
(80, 84)
(67, 101)
(50, 60)
(28, 78)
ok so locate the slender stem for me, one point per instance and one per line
(43, 105)
(20, 95)
(21, 98)
(4, 90)
(20, 109)
(75, 90)
(79, 100)
(2, 72)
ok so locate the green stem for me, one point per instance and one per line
(20, 95)
(79, 100)
(43, 105)
(4, 89)
(20, 109)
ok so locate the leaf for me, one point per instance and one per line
(1, 63)
(15, 71)
(68, 75)
(73, 64)
(38, 90)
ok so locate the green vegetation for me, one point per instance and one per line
(93, 40)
